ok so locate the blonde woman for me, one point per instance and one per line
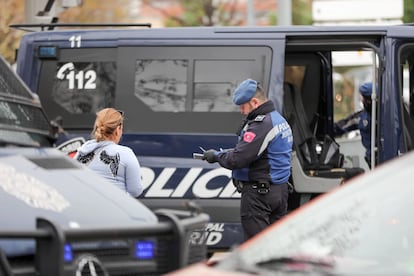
(116, 163)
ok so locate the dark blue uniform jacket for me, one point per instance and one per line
(264, 149)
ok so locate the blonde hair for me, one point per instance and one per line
(107, 120)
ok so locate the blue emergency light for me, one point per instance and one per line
(144, 250)
(67, 253)
(47, 52)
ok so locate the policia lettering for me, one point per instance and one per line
(260, 161)
(173, 182)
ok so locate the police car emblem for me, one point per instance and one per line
(90, 265)
(31, 190)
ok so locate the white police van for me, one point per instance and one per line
(175, 86)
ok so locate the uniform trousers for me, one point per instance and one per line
(260, 210)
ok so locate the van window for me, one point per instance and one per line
(350, 70)
(407, 77)
(215, 81)
(180, 88)
(162, 84)
(84, 87)
(407, 99)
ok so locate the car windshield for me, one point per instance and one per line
(366, 226)
(22, 120)
(22, 124)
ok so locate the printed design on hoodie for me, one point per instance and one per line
(112, 161)
(86, 158)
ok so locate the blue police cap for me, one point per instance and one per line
(244, 92)
(366, 89)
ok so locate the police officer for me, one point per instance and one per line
(364, 124)
(260, 162)
(360, 120)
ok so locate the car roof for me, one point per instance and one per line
(126, 34)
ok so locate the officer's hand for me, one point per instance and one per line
(210, 155)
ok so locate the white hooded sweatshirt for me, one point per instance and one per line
(116, 163)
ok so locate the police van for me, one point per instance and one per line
(175, 86)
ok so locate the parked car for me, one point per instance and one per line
(58, 217)
(364, 227)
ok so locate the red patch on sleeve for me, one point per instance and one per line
(248, 136)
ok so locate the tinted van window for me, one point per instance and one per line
(182, 89)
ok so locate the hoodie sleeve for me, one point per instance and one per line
(133, 181)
